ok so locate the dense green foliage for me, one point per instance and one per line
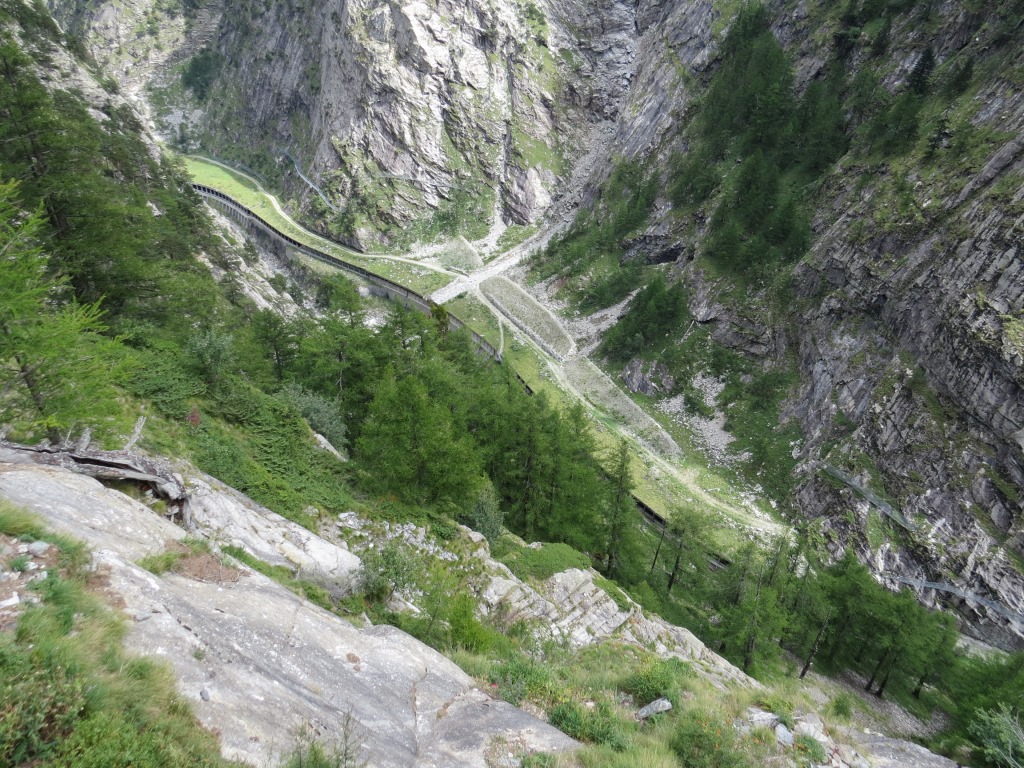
(654, 315)
(755, 145)
(200, 72)
(59, 368)
(86, 177)
(545, 561)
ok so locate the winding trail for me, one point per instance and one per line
(309, 183)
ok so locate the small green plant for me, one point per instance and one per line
(779, 706)
(443, 530)
(704, 740)
(346, 753)
(20, 563)
(598, 725)
(521, 678)
(657, 679)
(389, 569)
(841, 706)
(810, 750)
(161, 563)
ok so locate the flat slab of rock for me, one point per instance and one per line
(229, 517)
(883, 752)
(257, 662)
(85, 509)
(783, 735)
(760, 718)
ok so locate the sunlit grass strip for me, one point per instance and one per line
(477, 318)
(249, 193)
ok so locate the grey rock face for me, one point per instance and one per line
(258, 663)
(571, 608)
(759, 718)
(647, 378)
(783, 735)
(655, 707)
(894, 753)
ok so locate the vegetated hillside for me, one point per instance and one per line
(834, 188)
(839, 210)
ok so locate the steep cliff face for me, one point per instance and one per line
(444, 115)
(906, 324)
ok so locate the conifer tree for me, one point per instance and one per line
(56, 369)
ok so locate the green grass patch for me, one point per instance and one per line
(23, 525)
(658, 678)
(251, 194)
(545, 561)
(309, 590)
(616, 594)
(162, 562)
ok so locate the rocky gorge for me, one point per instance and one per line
(905, 329)
(863, 396)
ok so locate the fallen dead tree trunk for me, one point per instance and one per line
(109, 466)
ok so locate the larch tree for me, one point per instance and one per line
(56, 370)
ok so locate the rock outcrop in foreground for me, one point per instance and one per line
(257, 663)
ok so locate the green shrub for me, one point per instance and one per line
(777, 705)
(841, 706)
(486, 515)
(521, 678)
(388, 569)
(110, 740)
(1000, 735)
(544, 562)
(39, 704)
(443, 530)
(598, 725)
(323, 414)
(200, 72)
(704, 740)
(466, 630)
(809, 749)
(657, 679)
